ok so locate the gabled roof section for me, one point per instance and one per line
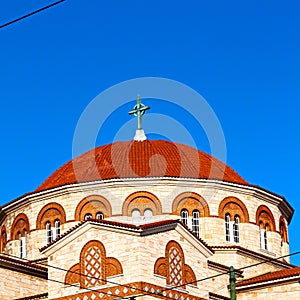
(22, 266)
(35, 297)
(143, 230)
(262, 257)
(287, 274)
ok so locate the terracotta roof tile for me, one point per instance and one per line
(22, 262)
(288, 273)
(129, 226)
(141, 159)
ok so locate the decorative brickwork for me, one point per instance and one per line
(20, 226)
(172, 267)
(92, 205)
(233, 206)
(92, 265)
(50, 213)
(3, 239)
(113, 267)
(265, 218)
(73, 275)
(160, 267)
(190, 201)
(141, 201)
(130, 290)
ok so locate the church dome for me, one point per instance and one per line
(136, 159)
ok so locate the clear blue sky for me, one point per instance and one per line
(242, 56)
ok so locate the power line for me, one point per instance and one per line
(92, 277)
(224, 273)
(149, 294)
(31, 14)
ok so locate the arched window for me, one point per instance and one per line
(88, 216)
(57, 229)
(22, 239)
(184, 216)
(48, 233)
(148, 214)
(175, 261)
(136, 216)
(227, 227)
(263, 236)
(99, 215)
(236, 231)
(195, 222)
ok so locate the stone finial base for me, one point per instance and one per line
(140, 135)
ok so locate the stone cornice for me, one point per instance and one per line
(251, 190)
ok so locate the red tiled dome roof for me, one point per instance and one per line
(135, 159)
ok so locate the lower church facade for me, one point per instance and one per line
(149, 220)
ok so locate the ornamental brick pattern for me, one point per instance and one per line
(130, 290)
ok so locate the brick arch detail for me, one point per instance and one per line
(113, 267)
(141, 200)
(3, 238)
(20, 225)
(96, 263)
(233, 206)
(283, 230)
(265, 217)
(162, 266)
(50, 212)
(190, 201)
(73, 275)
(92, 204)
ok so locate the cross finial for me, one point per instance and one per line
(138, 111)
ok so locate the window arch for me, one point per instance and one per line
(283, 230)
(93, 204)
(233, 206)
(184, 214)
(20, 226)
(50, 213)
(264, 216)
(92, 265)
(190, 201)
(88, 216)
(141, 200)
(99, 215)
(195, 222)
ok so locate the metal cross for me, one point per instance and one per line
(138, 111)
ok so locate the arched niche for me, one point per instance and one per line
(51, 212)
(265, 218)
(141, 201)
(19, 227)
(234, 207)
(92, 204)
(190, 201)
